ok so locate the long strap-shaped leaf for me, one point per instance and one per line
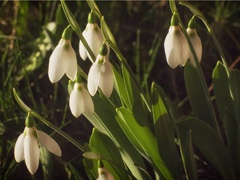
(209, 144)
(142, 138)
(200, 103)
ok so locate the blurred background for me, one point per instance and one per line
(30, 30)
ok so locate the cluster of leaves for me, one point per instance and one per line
(147, 127)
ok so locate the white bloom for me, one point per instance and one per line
(62, 61)
(104, 174)
(101, 75)
(27, 147)
(94, 38)
(80, 101)
(176, 47)
(197, 44)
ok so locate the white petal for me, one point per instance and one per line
(93, 78)
(197, 44)
(71, 69)
(110, 176)
(31, 150)
(76, 100)
(173, 47)
(101, 177)
(94, 38)
(87, 101)
(185, 50)
(82, 49)
(106, 78)
(57, 65)
(49, 143)
(19, 148)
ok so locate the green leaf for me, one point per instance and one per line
(187, 155)
(71, 19)
(93, 6)
(158, 106)
(197, 97)
(47, 163)
(107, 32)
(221, 88)
(104, 146)
(90, 166)
(234, 83)
(143, 139)
(165, 103)
(104, 120)
(165, 133)
(209, 144)
(231, 129)
(74, 171)
(118, 81)
(20, 102)
(135, 99)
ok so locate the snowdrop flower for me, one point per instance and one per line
(103, 173)
(101, 74)
(175, 45)
(196, 41)
(80, 100)
(27, 145)
(94, 37)
(63, 59)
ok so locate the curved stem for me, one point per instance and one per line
(49, 124)
(200, 15)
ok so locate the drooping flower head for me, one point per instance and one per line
(27, 145)
(63, 59)
(196, 41)
(175, 45)
(103, 173)
(101, 74)
(93, 35)
(80, 100)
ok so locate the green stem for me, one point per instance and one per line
(124, 62)
(49, 124)
(200, 15)
(73, 22)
